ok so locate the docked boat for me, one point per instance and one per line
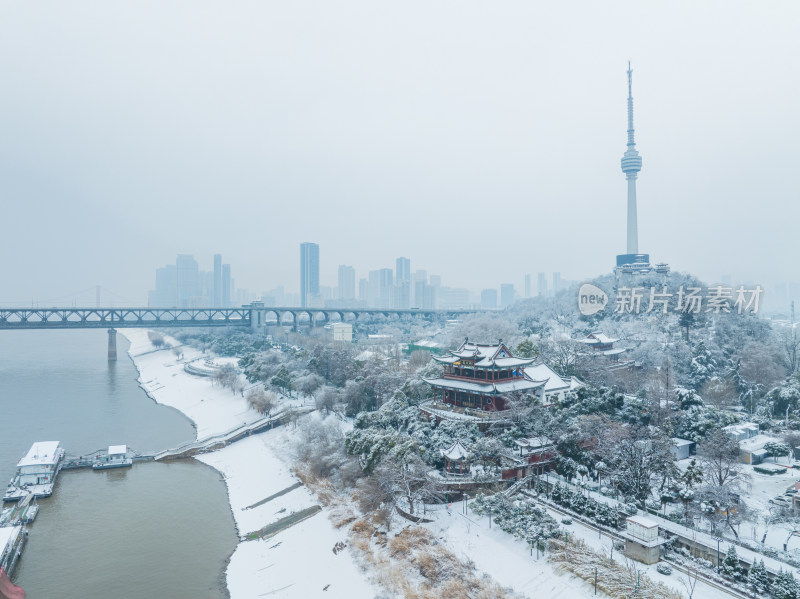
(23, 512)
(12, 541)
(117, 457)
(36, 472)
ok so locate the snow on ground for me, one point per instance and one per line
(242, 465)
(213, 409)
(296, 563)
(279, 566)
(505, 558)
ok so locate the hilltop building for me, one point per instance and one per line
(480, 381)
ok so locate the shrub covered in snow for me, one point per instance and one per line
(588, 506)
(523, 520)
(664, 569)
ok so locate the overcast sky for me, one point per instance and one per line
(480, 139)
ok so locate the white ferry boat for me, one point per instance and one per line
(117, 457)
(36, 472)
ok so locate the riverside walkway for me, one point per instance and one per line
(240, 432)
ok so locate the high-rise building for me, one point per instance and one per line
(403, 270)
(347, 282)
(227, 285)
(489, 299)
(506, 295)
(527, 285)
(449, 298)
(363, 291)
(420, 277)
(401, 295)
(385, 291)
(401, 299)
(188, 281)
(556, 282)
(165, 295)
(309, 273)
(541, 284)
(217, 293)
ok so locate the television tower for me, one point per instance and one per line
(631, 165)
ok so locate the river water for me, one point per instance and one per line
(155, 530)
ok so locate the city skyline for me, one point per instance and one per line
(540, 136)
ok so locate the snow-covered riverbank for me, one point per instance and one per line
(296, 562)
(297, 557)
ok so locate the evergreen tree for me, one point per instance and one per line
(730, 565)
(686, 321)
(526, 349)
(785, 586)
(758, 579)
(557, 493)
(702, 366)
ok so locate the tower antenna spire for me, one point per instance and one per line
(631, 142)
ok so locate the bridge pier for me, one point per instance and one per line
(112, 345)
(258, 317)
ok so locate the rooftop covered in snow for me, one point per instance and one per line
(479, 355)
(41, 453)
(455, 452)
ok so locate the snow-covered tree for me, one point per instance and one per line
(758, 578)
(637, 459)
(730, 566)
(785, 586)
(262, 401)
(702, 366)
(283, 380)
(309, 383)
(724, 478)
(776, 449)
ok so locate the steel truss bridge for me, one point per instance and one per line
(255, 316)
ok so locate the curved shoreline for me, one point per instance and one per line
(262, 490)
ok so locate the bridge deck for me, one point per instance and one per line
(83, 318)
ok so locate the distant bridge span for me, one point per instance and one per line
(254, 317)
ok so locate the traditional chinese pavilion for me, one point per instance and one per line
(481, 377)
(456, 459)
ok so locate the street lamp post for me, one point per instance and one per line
(718, 540)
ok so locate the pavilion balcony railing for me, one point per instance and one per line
(474, 412)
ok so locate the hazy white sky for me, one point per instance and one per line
(480, 139)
